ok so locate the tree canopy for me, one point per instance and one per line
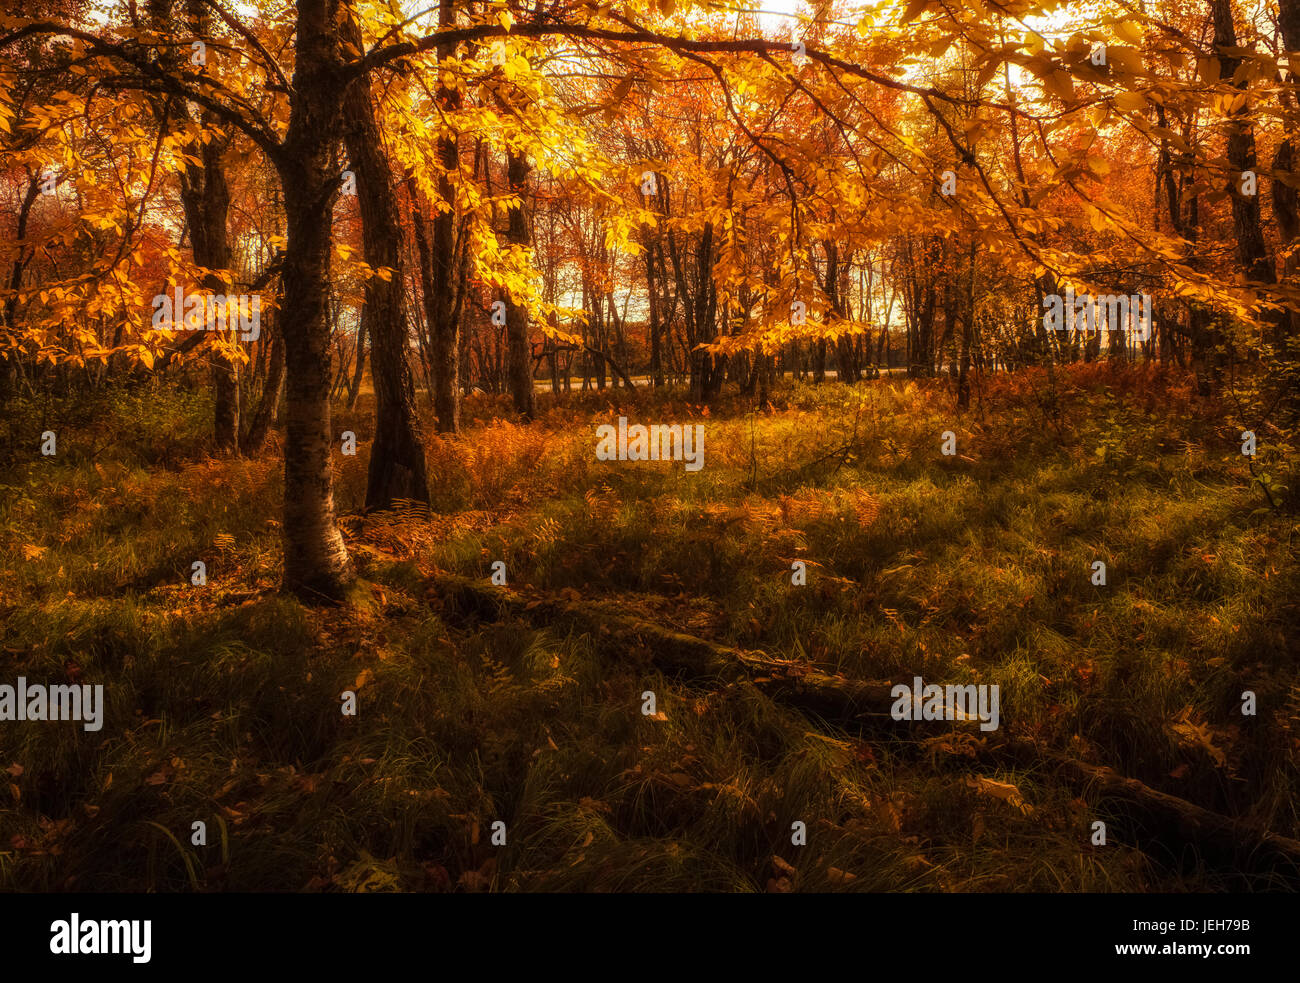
(689, 189)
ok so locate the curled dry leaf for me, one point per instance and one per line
(1005, 791)
(839, 877)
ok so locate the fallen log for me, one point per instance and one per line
(1168, 818)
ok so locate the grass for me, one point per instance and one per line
(223, 701)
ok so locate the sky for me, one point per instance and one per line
(773, 11)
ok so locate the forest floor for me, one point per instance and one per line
(223, 701)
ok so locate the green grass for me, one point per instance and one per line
(223, 701)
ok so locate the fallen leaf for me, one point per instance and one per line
(1005, 791)
(1198, 735)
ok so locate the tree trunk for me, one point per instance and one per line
(205, 197)
(359, 366)
(1252, 253)
(652, 291)
(397, 468)
(440, 261)
(1286, 201)
(518, 352)
(205, 200)
(260, 423)
(316, 562)
(9, 361)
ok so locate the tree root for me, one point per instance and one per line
(1172, 822)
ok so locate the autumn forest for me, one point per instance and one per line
(666, 446)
